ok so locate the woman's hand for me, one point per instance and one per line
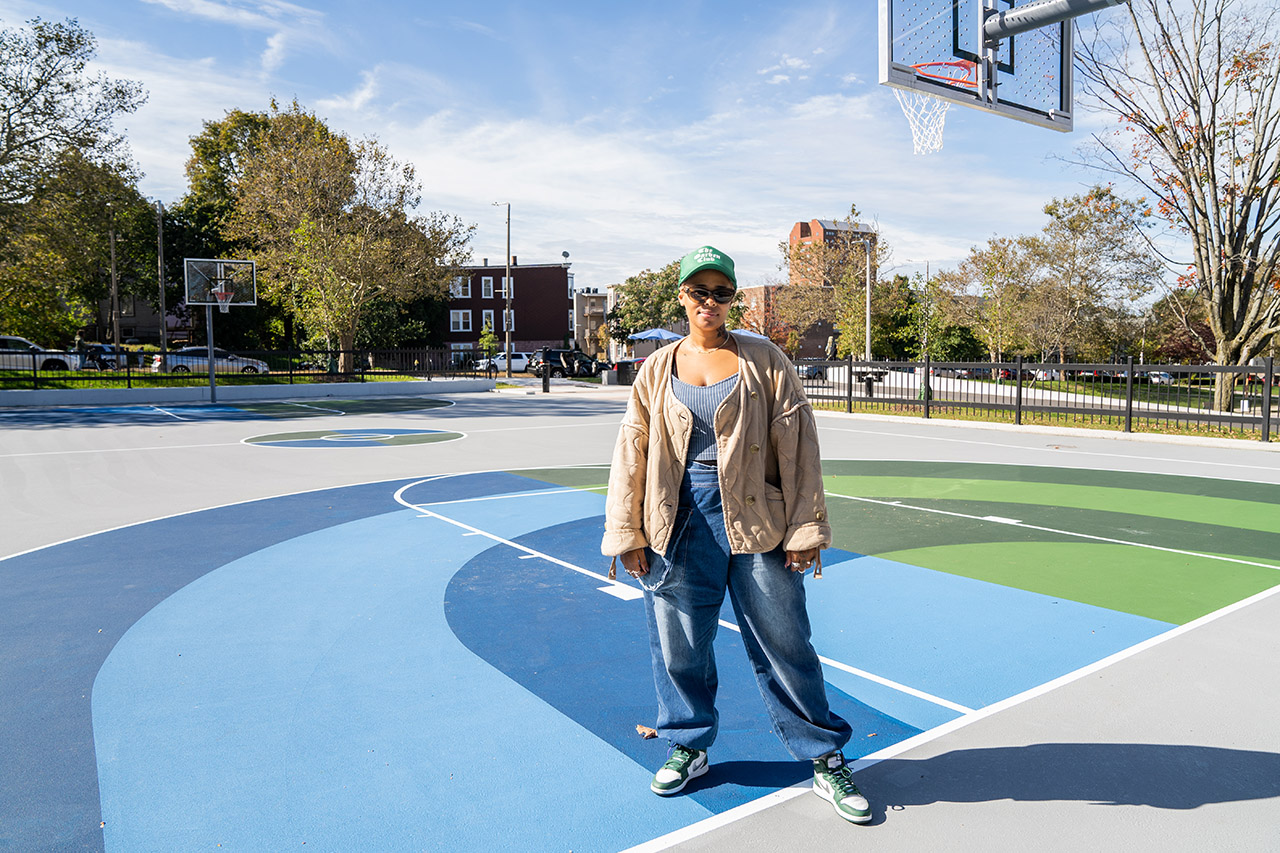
(800, 561)
(636, 562)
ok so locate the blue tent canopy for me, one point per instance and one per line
(655, 335)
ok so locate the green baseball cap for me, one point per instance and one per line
(707, 258)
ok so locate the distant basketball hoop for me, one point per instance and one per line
(224, 297)
(926, 113)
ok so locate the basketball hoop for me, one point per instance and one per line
(926, 113)
(223, 295)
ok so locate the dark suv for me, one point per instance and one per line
(565, 362)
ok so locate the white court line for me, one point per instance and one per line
(318, 408)
(171, 414)
(117, 450)
(1015, 523)
(530, 552)
(1006, 446)
(879, 679)
(747, 809)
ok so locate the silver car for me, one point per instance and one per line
(196, 360)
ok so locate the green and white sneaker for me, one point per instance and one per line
(833, 781)
(683, 765)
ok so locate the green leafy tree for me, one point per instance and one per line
(333, 226)
(986, 293)
(1193, 89)
(1089, 255)
(488, 341)
(49, 104)
(55, 261)
(646, 300)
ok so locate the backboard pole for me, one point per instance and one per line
(208, 335)
(1024, 19)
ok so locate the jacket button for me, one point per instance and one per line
(751, 499)
(754, 395)
(821, 515)
(755, 448)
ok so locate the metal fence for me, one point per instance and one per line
(146, 369)
(1129, 397)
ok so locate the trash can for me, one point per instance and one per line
(626, 372)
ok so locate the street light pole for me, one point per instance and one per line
(506, 317)
(115, 290)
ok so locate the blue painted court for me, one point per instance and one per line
(368, 667)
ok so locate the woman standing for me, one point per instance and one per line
(715, 486)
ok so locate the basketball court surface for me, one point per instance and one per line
(386, 625)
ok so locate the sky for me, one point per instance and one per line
(623, 134)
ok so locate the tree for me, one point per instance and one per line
(1090, 254)
(988, 290)
(488, 341)
(1193, 86)
(55, 251)
(49, 105)
(333, 228)
(646, 300)
(840, 265)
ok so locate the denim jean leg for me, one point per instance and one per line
(769, 601)
(683, 619)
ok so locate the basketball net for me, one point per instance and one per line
(926, 113)
(223, 294)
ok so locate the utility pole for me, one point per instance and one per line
(164, 316)
(115, 289)
(506, 319)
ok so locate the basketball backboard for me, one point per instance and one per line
(204, 276)
(936, 47)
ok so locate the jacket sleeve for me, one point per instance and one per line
(794, 435)
(624, 505)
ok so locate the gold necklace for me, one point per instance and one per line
(702, 351)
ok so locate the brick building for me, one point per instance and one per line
(541, 306)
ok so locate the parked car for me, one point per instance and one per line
(566, 362)
(1011, 373)
(1159, 377)
(974, 373)
(104, 357)
(811, 370)
(519, 362)
(193, 359)
(21, 354)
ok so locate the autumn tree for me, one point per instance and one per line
(840, 265)
(334, 229)
(1193, 86)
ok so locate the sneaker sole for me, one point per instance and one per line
(694, 773)
(830, 798)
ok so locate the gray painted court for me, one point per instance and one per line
(1172, 746)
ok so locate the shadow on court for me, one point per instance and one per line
(1163, 776)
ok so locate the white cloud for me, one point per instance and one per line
(778, 78)
(290, 26)
(787, 63)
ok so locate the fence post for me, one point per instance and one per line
(1017, 377)
(848, 390)
(1268, 378)
(128, 371)
(35, 375)
(926, 389)
(289, 356)
(1128, 397)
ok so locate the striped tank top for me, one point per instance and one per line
(703, 400)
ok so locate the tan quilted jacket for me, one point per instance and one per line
(767, 446)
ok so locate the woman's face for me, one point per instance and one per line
(707, 315)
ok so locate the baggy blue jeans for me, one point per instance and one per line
(683, 595)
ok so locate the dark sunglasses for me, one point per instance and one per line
(723, 295)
